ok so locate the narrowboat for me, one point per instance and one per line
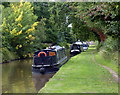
(49, 60)
(85, 47)
(76, 48)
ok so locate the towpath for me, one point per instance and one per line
(82, 74)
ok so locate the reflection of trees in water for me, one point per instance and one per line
(18, 77)
(20, 71)
(41, 79)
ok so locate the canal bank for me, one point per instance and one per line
(81, 74)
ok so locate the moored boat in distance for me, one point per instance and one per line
(76, 48)
(49, 60)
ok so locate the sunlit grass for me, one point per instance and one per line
(107, 62)
(82, 75)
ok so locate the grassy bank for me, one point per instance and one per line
(104, 59)
(81, 74)
(107, 62)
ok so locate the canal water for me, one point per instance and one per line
(17, 77)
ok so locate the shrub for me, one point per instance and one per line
(8, 55)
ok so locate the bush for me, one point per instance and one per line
(8, 55)
(109, 49)
(111, 44)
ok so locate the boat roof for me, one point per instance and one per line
(56, 47)
(79, 43)
(52, 48)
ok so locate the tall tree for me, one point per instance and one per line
(19, 28)
(55, 24)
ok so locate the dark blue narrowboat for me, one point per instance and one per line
(49, 60)
(76, 48)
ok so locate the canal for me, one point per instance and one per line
(17, 77)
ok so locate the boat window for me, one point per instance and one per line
(52, 53)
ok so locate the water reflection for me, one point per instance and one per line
(17, 77)
(40, 79)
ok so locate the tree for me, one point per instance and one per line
(56, 29)
(19, 28)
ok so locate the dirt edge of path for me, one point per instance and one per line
(114, 74)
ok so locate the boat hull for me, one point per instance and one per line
(48, 68)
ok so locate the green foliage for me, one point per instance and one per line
(93, 18)
(82, 31)
(8, 55)
(23, 31)
(56, 29)
(109, 50)
(58, 20)
(87, 20)
(111, 44)
(19, 28)
(39, 35)
(41, 10)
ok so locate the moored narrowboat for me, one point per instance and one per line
(49, 60)
(76, 48)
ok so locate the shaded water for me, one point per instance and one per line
(40, 80)
(17, 77)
